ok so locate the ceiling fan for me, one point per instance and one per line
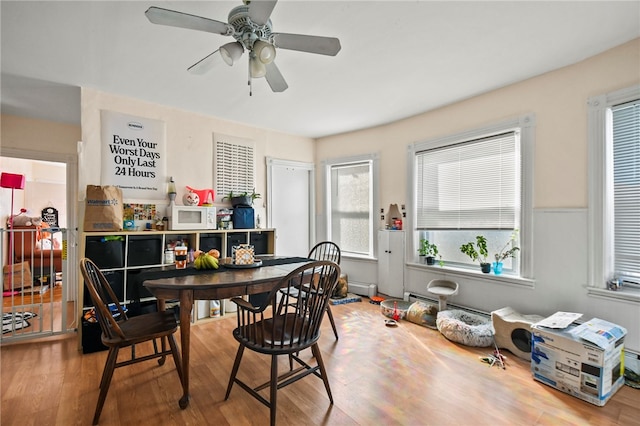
(250, 26)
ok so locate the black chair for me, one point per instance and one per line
(119, 331)
(325, 250)
(286, 329)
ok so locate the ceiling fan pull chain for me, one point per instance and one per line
(249, 78)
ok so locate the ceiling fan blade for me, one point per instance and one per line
(158, 15)
(307, 43)
(275, 79)
(205, 64)
(260, 10)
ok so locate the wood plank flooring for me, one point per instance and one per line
(408, 375)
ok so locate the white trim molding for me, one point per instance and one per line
(600, 216)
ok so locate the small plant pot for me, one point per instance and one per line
(485, 267)
(241, 201)
(431, 260)
(497, 268)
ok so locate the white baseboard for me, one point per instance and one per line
(362, 289)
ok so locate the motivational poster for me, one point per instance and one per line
(133, 155)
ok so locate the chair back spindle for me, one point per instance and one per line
(293, 321)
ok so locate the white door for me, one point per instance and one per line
(290, 205)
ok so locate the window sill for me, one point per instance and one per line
(628, 294)
(504, 279)
(352, 256)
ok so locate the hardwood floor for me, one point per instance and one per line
(408, 375)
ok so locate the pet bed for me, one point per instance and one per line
(465, 328)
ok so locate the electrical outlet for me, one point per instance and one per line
(381, 210)
(403, 207)
(381, 217)
(404, 214)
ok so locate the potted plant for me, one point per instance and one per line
(504, 253)
(243, 198)
(429, 250)
(478, 251)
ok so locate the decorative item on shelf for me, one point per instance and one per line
(242, 254)
(394, 215)
(478, 252)
(505, 254)
(429, 250)
(205, 196)
(191, 199)
(171, 191)
(242, 198)
(181, 257)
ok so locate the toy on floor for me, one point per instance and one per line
(496, 358)
(376, 300)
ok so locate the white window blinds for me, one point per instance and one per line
(470, 185)
(350, 206)
(234, 166)
(626, 190)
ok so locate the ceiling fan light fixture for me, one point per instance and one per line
(231, 52)
(256, 68)
(264, 51)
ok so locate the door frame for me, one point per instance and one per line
(71, 162)
(297, 165)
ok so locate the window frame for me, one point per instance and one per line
(230, 173)
(525, 124)
(375, 171)
(600, 207)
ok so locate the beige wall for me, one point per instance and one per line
(559, 101)
(189, 140)
(38, 135)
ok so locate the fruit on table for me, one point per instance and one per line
(215, 253)
(205, 261)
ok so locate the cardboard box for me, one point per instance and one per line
(17, 276)
(586, 360)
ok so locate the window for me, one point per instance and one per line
(614, 189)
(351, 204)
(477, 183)
(234, 165)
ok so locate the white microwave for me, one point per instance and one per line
(192, 217)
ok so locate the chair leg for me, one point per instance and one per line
(234, 371)
(163, 347)
(177, 358)
(333, 323)
(316, 353)
(113, 353)
(273, 390)
(106, 381)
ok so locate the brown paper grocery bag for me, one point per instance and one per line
(103, 208)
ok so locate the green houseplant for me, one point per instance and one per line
(429, 250)
(478, 251)
(505, 253)
(243, 198)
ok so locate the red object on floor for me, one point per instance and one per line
(10, 293)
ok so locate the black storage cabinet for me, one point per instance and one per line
(260, 243)
(210, 241)
(115, 279)
(144, 250)
(235, 239)
(106, 254)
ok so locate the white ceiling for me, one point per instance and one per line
(398, 58)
